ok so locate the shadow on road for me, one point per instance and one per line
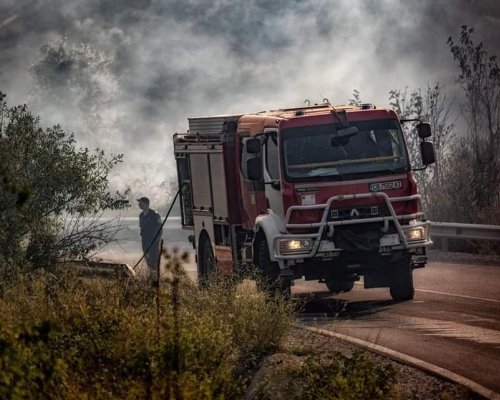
(323, 304)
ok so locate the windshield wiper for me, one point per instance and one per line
(394, 170)
(323, 172)
(326, 175)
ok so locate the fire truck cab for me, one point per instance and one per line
(322, 193)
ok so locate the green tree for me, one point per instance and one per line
(48, 183)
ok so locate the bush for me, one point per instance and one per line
(28, 367)
(48, 190)
(336, 376)
(63, 336)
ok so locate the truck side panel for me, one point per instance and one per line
(200, 178)
(219, 191)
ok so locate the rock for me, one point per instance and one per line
(276, 379)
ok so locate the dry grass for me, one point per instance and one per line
(62, 336)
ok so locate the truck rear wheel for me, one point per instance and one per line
(269, 279)
(206, 260)
(338, 286)
(402, 282)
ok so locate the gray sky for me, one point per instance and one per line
(174, 59)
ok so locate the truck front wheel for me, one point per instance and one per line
(402, 282)
(269, 279)
(338, 286)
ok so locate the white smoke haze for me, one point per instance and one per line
(165, 60)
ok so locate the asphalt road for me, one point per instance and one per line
(453, 321)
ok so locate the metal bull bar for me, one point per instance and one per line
(323, 223)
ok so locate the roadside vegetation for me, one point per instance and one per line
(64, 336)
(52, 192)
(336, 376)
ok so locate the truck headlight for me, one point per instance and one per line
(295, 245)
(417, 233)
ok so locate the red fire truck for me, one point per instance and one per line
(320, 192)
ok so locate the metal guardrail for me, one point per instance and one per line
(103, 268)
(453, 230)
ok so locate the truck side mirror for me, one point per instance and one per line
(254, 171)
(427, 152)
(424, 130)
(253, 146)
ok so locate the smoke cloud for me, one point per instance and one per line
(130, 72)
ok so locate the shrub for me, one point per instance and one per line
(50, 191)
(336, 376)
(72, 337)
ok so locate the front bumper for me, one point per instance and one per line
(300, 246)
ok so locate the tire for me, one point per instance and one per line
(269, 279)
(206, 260)
(402, 283)
(338, 286)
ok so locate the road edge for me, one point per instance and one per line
(408, 360)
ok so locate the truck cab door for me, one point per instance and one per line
(252, 192)
(272, 176)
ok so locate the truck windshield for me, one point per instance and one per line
(310, 152)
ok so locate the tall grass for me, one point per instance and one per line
(63, 336)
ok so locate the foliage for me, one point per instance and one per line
(45, 179)
(480, 80)
(104, 339)
(430, 105)
(336, 376)
(356, 98)
(63, 336)
(27, 367)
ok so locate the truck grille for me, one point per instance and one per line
(348, 213)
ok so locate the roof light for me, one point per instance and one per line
(367, 106)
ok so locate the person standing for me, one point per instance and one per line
(151, 232)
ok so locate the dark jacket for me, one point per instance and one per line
(149, 224)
